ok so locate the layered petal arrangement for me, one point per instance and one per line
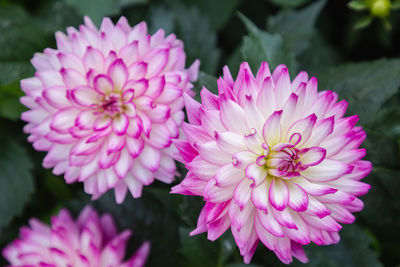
(106, 103)
(274, 159)
(90, 241)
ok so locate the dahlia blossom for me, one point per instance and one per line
(106, 103)
(275, 161)
(90, 241)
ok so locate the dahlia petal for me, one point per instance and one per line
(282, 250)
(118, 73)
(243, 158)
(84, 96)
(210, 121)
(326, 223)
(240, 215)
(134, 146)
(156, 86)
(232, 117)
(115, 143)
(341, 214)
(327, 170)
(120, 124)
(266, 100)
(272, 129)
(278, 194)
(313, 188)
(192, 109)
(72, 78)
(157, 62)
(283, 87)
(302, 77)
(215, 194)
(217, 228)
(159, 136)
(64, 119)
(284, 218)
(303, 127)
(316, 208)
(142, 174)
(259, 196)
(266, 238)
(103, 84)
(135, 186)
(269, 223)
(102, 123)
(298, 200)
(256, 173)
(263, 72)
(229, 142)
(211, 153)
(48, 78)
(256, 121)
(202, 168)
(124, 164)
(150, 158)
(93, 59)
(312, 156)
(242, 193)
(339, 197)
(208, 99)
(159, 113)
(300, 234)
(228, 175)
(350, 156)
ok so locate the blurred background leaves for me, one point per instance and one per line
(363, 66)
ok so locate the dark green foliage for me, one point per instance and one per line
(16, 180)
(362, 66)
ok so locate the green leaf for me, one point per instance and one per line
(101, 8)
(358, 5)
(197, 250)
(354, 249)
(200, 43)
(10, 74)
(296, 27)
(289, 3)
(19, 37)
(262, 46)
(16, 181)
(319, 57)
(217, 12)
(363, 22)
(66, 16)
(366, 85)
(161, 17)
(14, 70)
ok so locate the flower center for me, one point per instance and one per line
(111, 104)
(282, 161)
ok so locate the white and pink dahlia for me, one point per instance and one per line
(106, 103)
(275, 160)
(90, 241)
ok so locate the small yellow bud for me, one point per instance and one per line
(380, 8)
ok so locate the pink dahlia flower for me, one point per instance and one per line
(90, 241)
(275, 161)
(106, 103)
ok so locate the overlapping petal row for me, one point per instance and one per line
(106, 103)
(274, 159)
(90, 241)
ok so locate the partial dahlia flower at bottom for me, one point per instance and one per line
(90, 241)
(275, 160)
